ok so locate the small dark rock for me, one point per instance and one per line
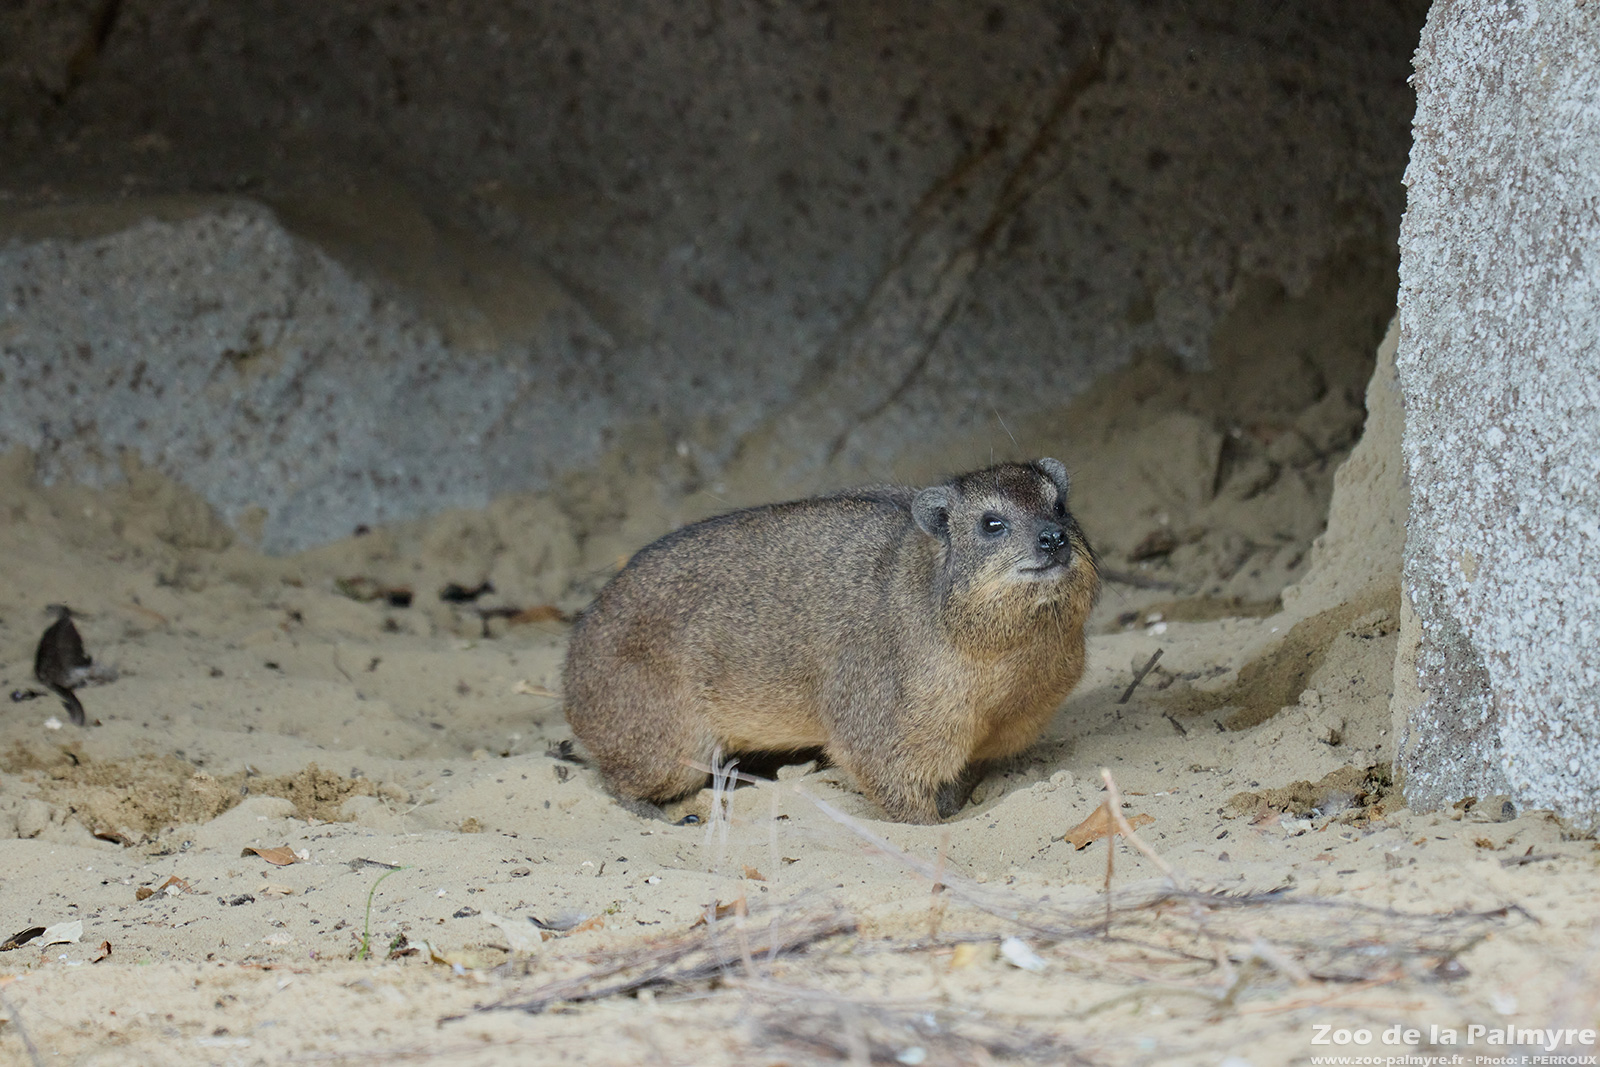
(455, 593)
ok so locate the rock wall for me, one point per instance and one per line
(342, 263)
(1498, 681)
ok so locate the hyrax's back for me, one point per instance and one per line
(865, 623)
(724, 633)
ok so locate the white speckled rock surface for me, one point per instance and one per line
(219, 344)
(1500, 367)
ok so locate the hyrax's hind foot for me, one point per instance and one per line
(646, 746)
(659, 773)
(954, 794)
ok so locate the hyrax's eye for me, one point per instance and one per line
(992, 525)
(1061, 507)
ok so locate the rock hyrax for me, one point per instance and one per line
(909, 634)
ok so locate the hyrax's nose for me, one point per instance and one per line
(1052, 539)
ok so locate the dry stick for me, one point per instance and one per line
(1114, 808)
(773, 859)
(1339, 994)
(1120, 824)
(1139, 677)
(1111, 851)
(740, 914)
(728, 773)
(1269, 954)
(722, 775)
(664, 963)
(1007, 907)
(936, 903)
(773, 862)
(1137, 581)
(783, 992)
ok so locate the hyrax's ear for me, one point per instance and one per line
(1057, 473)
(931, 509)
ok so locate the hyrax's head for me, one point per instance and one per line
(1010, 549)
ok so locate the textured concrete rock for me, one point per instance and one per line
(297, 400)
(1499, 361)
(861, 227)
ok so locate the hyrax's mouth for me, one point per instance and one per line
(1047, 567)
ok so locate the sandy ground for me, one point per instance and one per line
(463, 892)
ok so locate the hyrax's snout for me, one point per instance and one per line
(1052, 540)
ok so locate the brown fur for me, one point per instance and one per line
(883, 625)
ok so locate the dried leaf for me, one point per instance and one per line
(281, 856)
(722, 911)
(20, 938)
(1099, 825)
(965, 955)
(424, 949)
(67, 933)
(539, 613)
(589, 924)
(521, 936)
(560, 922)
(754, 875)
(270, 890)
(144, 892)
(1018, 953)
(102, 953)
(173, 886)
(1265, 816)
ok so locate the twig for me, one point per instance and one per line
(679, 960)
(1139, 676)
(783, 992)
(1111, 852)
(1518, 861)
(1114, 807)
(936, 899)
(722, 782)
(1271, 955)
(1208, 931)
(729, 774)
(1320, 1002)
(1137, 581)
(774, 861)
